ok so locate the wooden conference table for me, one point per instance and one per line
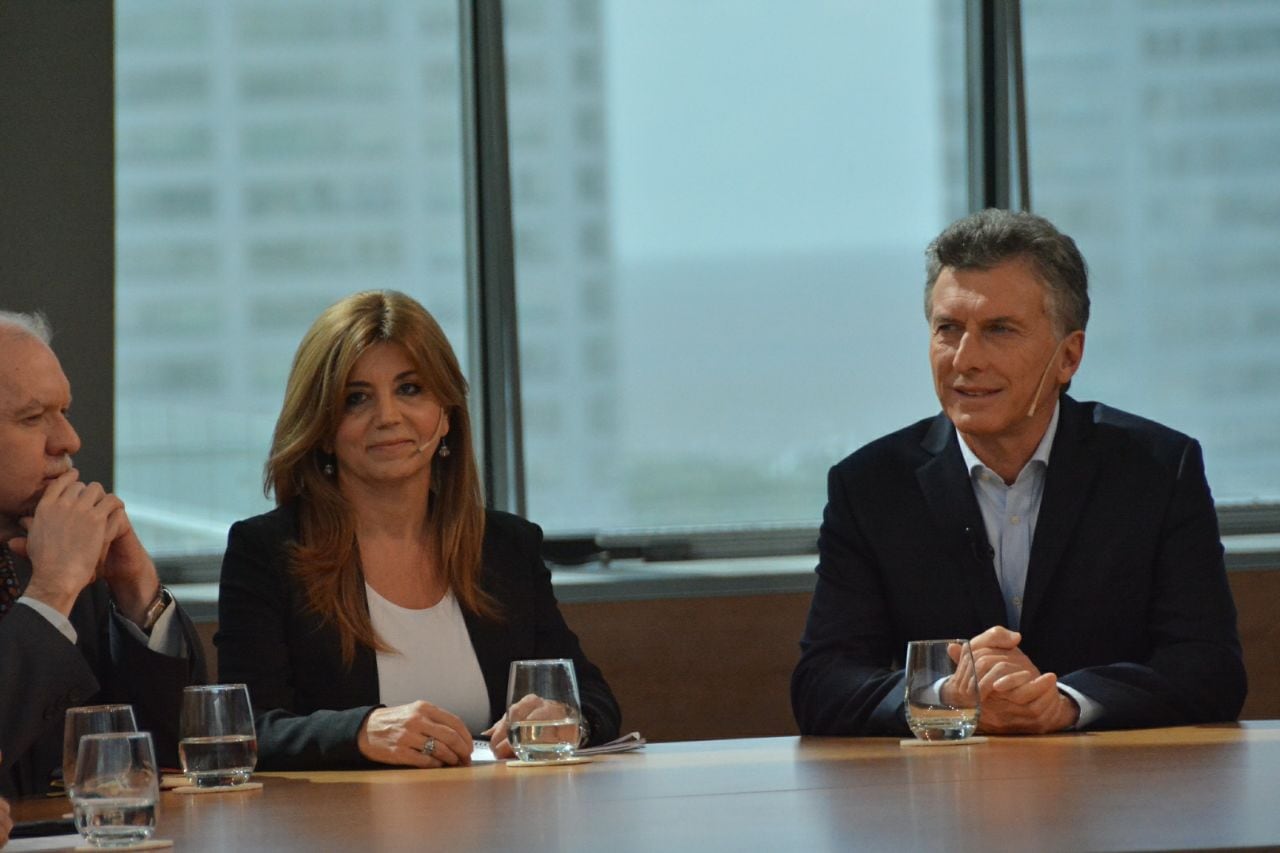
(1194, 787)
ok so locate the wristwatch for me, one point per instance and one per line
(151, 615)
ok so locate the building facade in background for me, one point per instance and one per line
(273, 157)
(1155, 141)
(720, 211)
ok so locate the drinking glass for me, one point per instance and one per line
(941, 690)
(115, 788)
(543, 709)
(89, 720)
(218, 744)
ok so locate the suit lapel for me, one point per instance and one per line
(949, 495)
(1073, 464)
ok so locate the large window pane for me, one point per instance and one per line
(720, 212)
(272, 156)
(1155, 141)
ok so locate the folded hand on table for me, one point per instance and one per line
(400, 734)
(1017, 698)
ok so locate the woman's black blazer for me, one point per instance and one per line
(308, 707)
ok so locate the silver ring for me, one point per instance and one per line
(429, 748)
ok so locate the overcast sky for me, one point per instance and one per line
(765, 125)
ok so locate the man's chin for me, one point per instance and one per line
(24, 509)
(977, 422)
(10, 528)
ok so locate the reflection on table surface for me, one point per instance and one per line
(1193, 787)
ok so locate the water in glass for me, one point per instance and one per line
(115, 788)
(941, 722)
(540, 740)
(221, 760)
(218, 744)
(115, 821)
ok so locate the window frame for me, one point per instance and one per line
(75, 285)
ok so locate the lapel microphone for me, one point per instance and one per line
(1035, 401)
(978, 545)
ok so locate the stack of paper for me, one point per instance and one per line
(481, 753)
(626, 743)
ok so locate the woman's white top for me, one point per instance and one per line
(434, 659)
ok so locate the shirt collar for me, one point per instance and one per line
(973, 464)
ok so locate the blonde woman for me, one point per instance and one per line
(374, 612)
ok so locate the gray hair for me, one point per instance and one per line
(990, 237)
(33, 324)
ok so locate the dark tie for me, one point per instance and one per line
(10, 589)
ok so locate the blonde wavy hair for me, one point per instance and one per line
(325, 557)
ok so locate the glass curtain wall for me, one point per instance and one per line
(272, 156)
(1154, 139)
(720, 214)
(720, 210)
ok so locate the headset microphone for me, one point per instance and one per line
(422, 447)
(1035, 401)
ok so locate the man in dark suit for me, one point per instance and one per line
(1076, 545)
(83, 617)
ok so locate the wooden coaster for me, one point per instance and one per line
(150, 844)
(550, 762)
(910, 741)
(219, 789)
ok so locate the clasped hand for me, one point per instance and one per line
(1016, 697)
(78, 533)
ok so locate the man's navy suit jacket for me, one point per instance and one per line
(1126, 596)
(42, 674)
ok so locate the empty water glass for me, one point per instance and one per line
(218, 745)
(115, 788)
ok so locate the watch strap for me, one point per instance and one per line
(157, 606)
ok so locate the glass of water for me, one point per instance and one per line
(115, 787)
(941, 690)
(543, 710)
(218, 744)
(90, 720)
